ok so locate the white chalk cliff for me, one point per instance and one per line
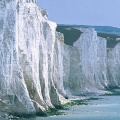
(37, 69)
(85, 64)
(113, 66)
(28, 63)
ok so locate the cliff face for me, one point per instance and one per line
(37, 68)
(91, 62)
(28, 74)
(113, 68)
(13, 87)
(87, 63)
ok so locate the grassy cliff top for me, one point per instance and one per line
(72, 34)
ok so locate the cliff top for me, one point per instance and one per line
(101, 29)
(73, 32)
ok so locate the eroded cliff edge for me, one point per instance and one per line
(29, 70)
(38, 70)
(91, 59)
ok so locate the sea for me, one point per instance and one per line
(104, 108)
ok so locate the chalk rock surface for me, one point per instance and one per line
(91, 60)
(113, 69)
(38, 70)
(85, 63)
(27, 48)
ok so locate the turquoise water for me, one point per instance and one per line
(107, 108)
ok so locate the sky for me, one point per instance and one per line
(83, 12)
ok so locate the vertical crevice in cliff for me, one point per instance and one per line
(37, 68)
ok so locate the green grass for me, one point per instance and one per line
(111, 39)
(70, 34)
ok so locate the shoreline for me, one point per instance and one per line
(58, 110)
